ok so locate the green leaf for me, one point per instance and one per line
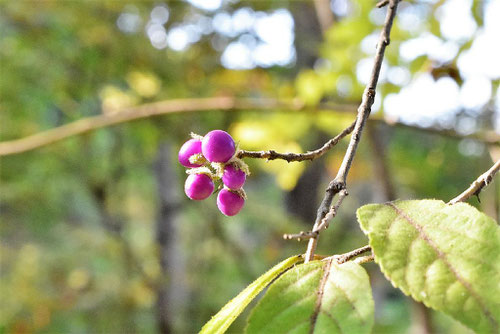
(446, 256)
(225, 317)
(317, 297)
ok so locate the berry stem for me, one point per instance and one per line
(311, 155)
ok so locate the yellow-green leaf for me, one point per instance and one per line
(317, 297)
(447, 256)
(225, 317)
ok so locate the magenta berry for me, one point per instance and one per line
(198, 186)
(188, 149)
(218, 146)
(233, 177)
(229, 203)
(211, 160)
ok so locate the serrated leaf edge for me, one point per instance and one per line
(442, 257)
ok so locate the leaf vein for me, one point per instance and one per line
(408, 255)
(319, 299)
(332, 318)
(300, 280)
(295, 303)
(466, 236)
(442, 256)
(361, 319)
(296, 325)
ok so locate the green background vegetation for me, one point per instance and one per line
(82, 219)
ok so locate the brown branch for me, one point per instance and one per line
(311, 155)
(144, 111)
(352, 254)
(89, 124)
(475, 188)
(300, 236)
(333, 211)
(343, 258)
(382, 3)
(364, 259)
(487, 137)
(339, 183)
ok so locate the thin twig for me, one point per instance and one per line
(324, 222)
(364, 259)
(382, 3)
(333, 211)
(311, 155)
(352, 254)
(339, 183)
(343, 258)
(300, 236)
(475, 188)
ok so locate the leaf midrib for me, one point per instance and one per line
(443, 257)
(321, 290)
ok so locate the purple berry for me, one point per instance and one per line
(190, 148)
(198, 186)
(229, 203)
(218, 146)
(233, 177)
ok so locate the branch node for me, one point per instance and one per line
(363, 114)
(335, 186)
(371, 92)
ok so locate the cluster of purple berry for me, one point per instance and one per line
(213, 158)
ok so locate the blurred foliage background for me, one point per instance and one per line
(96, 235)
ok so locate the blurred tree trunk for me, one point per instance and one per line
(310, 24)
(308, 33)
(383, 179)
(114, 227)
(302, 201)
(171, 291)
(421, 320)
(324, 14)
